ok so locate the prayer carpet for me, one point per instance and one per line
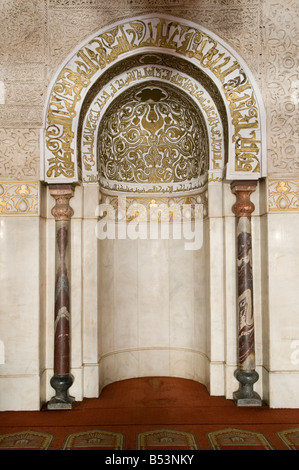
(150, 413)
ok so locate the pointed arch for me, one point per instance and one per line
(212, 59)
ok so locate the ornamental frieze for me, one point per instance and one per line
(19, 198)
(153, 208)
(283, 195)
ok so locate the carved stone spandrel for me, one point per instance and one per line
(19, 154)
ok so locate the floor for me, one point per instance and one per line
(152, 413)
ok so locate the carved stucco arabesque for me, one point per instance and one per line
(152, 136)
(264, 32)
(281, 85)
(19, 154)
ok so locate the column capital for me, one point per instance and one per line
(62, 194)
(243, 189)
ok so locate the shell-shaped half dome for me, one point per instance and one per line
(152, 138)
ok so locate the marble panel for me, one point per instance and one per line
(126, 315)
(189, 364)
(264, 379)
(127, 365)
(265, 291)
(106, 295)
(50, 291)
(20, 393)
(283, 272)
(200, 290)
(107, 372)
(2, 353)
(216, 289)
(19, 286)
(91, 380)
(76, 280)
(256, 227)
(215, 200)
(283, 390)
(90, 201)
(42, 293)
(153, 293)
(91, 290)
(153, 362)
(181, 295)
(121, 366)
(147, 306)
(216, 379)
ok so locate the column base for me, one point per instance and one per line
(62, 400)
(240, 400)
(56, 405)
(246, 396)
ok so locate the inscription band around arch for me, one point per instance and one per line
(154, 33)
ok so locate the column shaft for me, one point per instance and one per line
(246, 373)
(62, 379)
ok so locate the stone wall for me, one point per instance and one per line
(36, 38)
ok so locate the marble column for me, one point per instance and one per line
(62, 379)
(246, 373)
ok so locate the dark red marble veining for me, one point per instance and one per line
(245, 298)
(62, 303)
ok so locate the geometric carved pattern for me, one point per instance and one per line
(152, 135)
(31, 440)
(19, 154)
(283, 195)
(96, 439)
(166, 439)
(19, 198)
(238, 439)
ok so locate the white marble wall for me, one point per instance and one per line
(282, 348)
(148, 307)
(20, 313)
(152, 310)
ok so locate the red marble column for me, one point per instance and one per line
(246, 373)
(62, 379)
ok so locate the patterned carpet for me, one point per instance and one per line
(149, 414)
